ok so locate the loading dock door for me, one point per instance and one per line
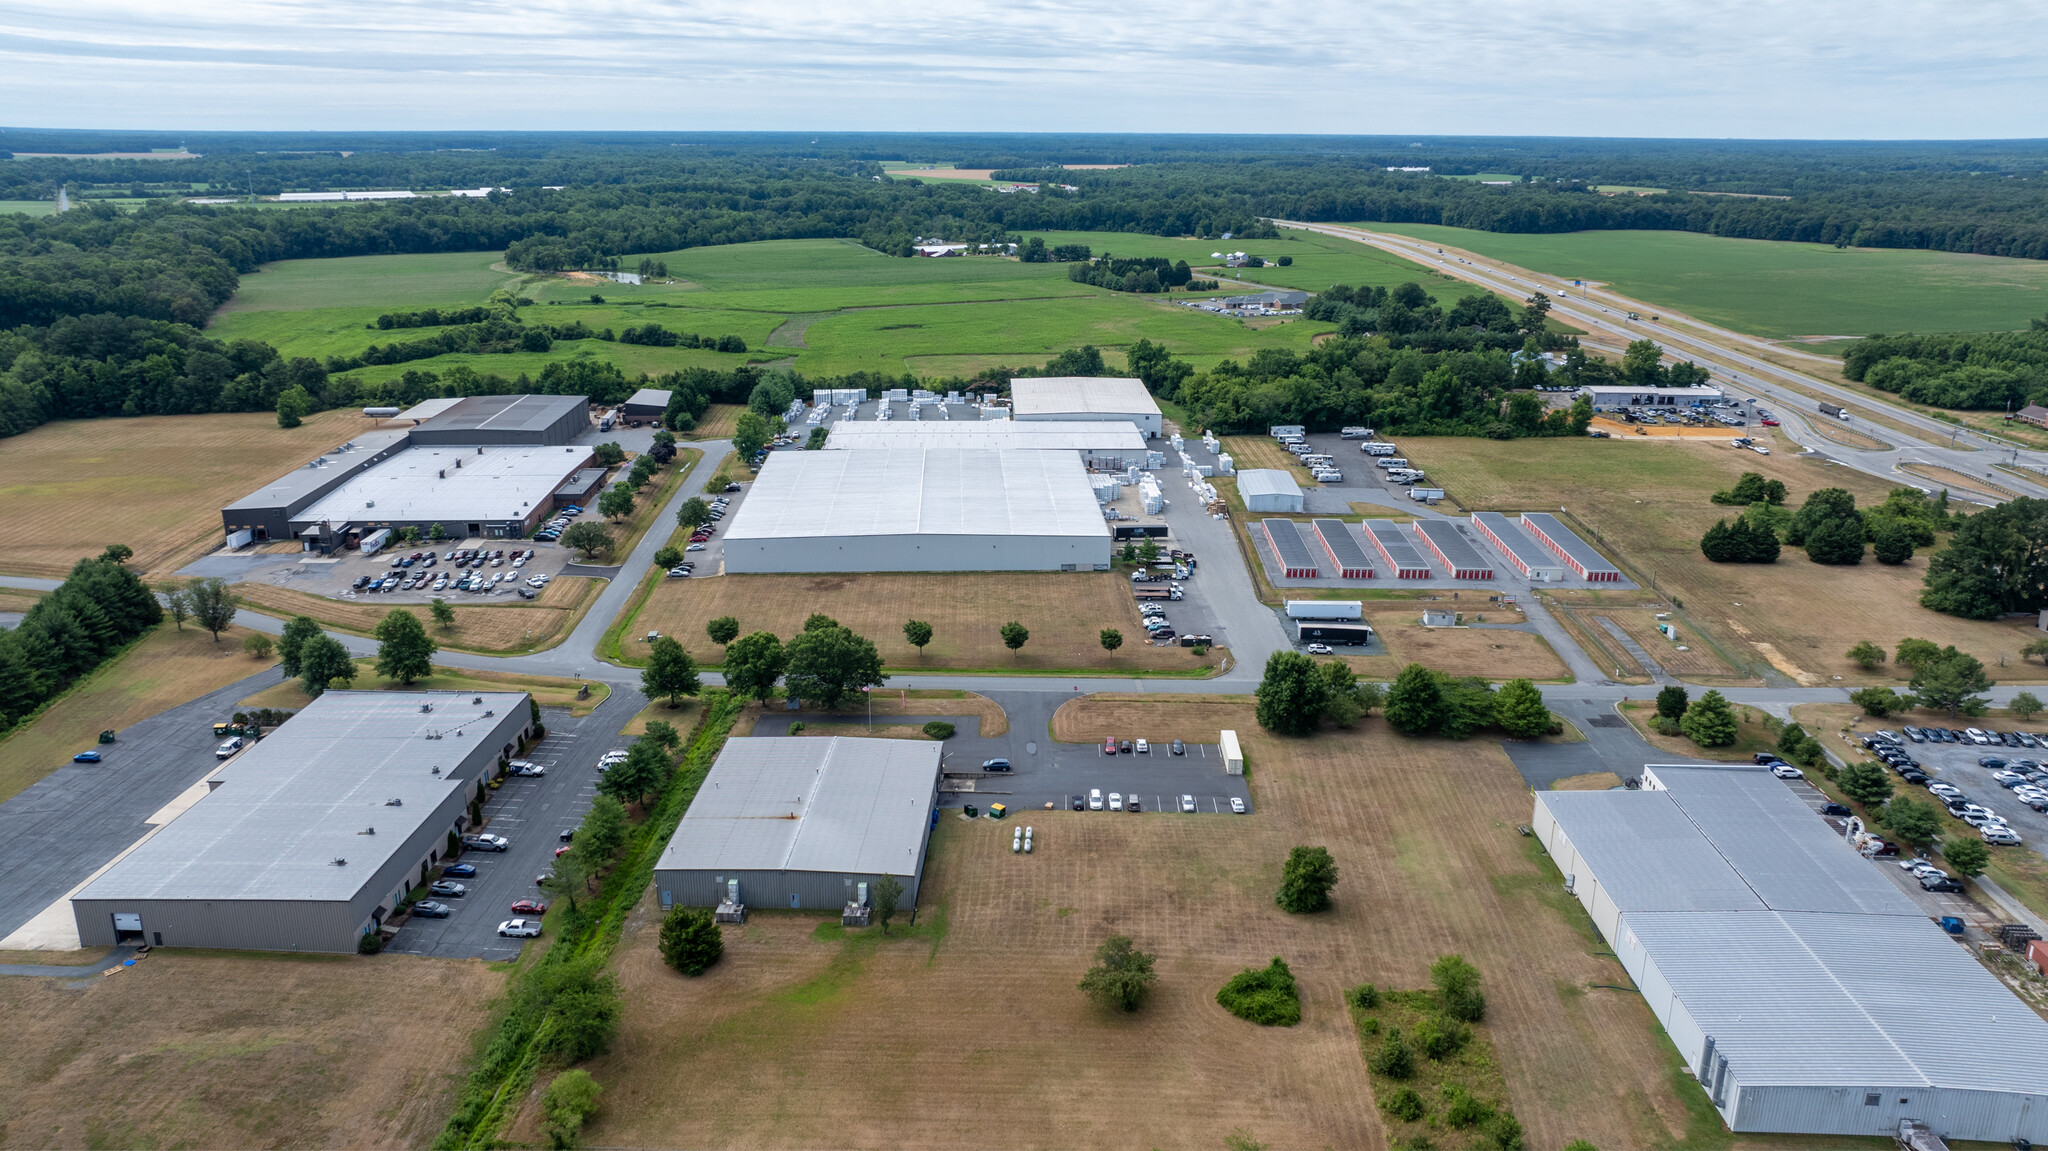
(127, 927)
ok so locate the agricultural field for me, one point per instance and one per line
(29, 207)
(507, 627)
(855, 309)
(240, 1049)
(1776, 289)
(1648, 503)
(168, 667)
(155, 483)
(779, 1044)
(1319, 261)
(1064, 611)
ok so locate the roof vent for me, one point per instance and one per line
(437, 769)
(394, 801)
(489, 712)
(426, 707)
(478, 699)
(367, 831)
(340, 862)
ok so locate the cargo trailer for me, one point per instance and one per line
(1346, 634)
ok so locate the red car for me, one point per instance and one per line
(560, 850)
(530, 907)
(1768, 422)
(1109, 747)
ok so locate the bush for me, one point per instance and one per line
(370, 944)
(1665, 725)
(939, 729)
(1503, 1132)
(1465, 1109)
(690, 940)
(567, 1104)
(1879, 701)
(1371, 1025)
(1439, 1038)
(1405, 1103)
(1457, 985)
(583, 1005)
(1365, 995)
(1394, 1059)
(1306, 879)
(1265, 996)
(1671, 702)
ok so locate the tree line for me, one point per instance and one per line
(1980, 371)
(97, 611)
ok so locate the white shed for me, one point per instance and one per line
(1269, 490)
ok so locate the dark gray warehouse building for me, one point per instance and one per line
(309, 838)
(546, 420)
(799, 821)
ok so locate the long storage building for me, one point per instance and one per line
(1403, 560)
(1107, 445)
(1269, 490)
(1804, 990)
(1459, 557)
(308, 839)
(1576, 553)
(800, 822)
(1348, 560)
(1514, 544)
(1289, 553)
(1086, 398)
(908, 509)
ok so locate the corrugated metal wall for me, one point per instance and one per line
(816, 890)
(1988, 1116)
(907, 553)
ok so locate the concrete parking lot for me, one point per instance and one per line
(532, 814)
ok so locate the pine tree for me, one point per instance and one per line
(1518, 710)
(1709, 722)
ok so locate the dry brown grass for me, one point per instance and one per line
(546, 690)
(1697, 662)
(155, 483)
(1105, 715)
(17, 599)
(719, 423)
(1753, 733)
(879, 731)
(1950, 478)
(196, 1049)
(1650, 504)
(1064, 611)
(987, 1042)
(1265, 452)
(1832, 430)
(1591, 781)
(515, 626)
(1491, 653)
(167, 668)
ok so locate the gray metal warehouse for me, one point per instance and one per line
(1108, 445)
(1268, 490)
(919, 510)
(799, 821)
(522, 419)
(1085, 398)
(1804, 990)
(647, 403)
(309, 838)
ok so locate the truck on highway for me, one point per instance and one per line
(1835, 410)
(1338, 609)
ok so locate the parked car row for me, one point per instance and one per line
(1117, 801)
(1113, 746)
(1982, 737)
(2025, 778)
(552, 530)
(414, 572)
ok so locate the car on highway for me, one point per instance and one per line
(530, 907)
(1187, 803)
(448, 887)
(520, 928)
(86, 757)
(1237, 805)
(459, 871)
(429, 909)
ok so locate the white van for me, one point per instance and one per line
(229, 748)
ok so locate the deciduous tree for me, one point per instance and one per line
(1415, 702)
(213, 605)
(917, 633)
(324, 662)
(297, 631)
(1867, 655)
(1121, 976)
(1671, 701)
(1292, 695)
(694, 513)
(588, 538)
(1306, 879)
(1519, 710)
(1112, 639)
(830, 664)
(884, 895)
(1912, 822)
(1966, 857)
(723, 630)
(1952, 682)
(753, 663)
(444, 614)
(670, 673)
(2026, 705)
(1015, 635)
(404, 650)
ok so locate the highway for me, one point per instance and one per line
(1732, 356)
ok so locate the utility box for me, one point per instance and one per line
(1233, 756)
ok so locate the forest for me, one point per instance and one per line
(1972, 370)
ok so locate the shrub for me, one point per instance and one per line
(1265, 996)
(1465, 1109)
(1364, 995)
(939, 729)
(1394, 1059)
(690, 940)
(1439, 1039)
(1665, 725)
(1457, 985)
(567, 1104)
(370, 944)
(1503, 1132)
(584, 1006)
(1371, 1026)
(1671, 702)
(1405, 1103)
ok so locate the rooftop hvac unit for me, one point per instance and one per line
(1571, 884)
(444, 473)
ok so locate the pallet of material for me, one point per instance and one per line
(1342, 549)
(1448, 544)
(1514, 544)
(1576, 553)
(1402, 557)
(1288, 550)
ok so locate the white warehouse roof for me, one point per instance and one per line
(1113, 436)
(919, 491)
(1792, 974)
(1266, 482)
(1065, 395)
(494, 482)
(795, 803)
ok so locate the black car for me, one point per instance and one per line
(361, 583)
(732, 487)
(1911, 775)
(1939, 883)
(995, 765)
(1834, 809)
(1178, 748)
(429, 909)
(1766, 757)
(1079, 804)
(1123, 747)
(1990, 761)
(567, 835)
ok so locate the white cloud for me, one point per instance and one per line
(1819, 68)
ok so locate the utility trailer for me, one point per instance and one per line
(1346, 634)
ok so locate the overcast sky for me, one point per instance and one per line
(1794, 68)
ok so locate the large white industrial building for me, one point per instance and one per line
(1268, 490)
(1806, 991)
(307, 840)
(919, 509)
(800, 822)
(1085, 398)
(1111, 445)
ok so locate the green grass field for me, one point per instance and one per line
(1774, 289)
(1319, 261)
(30, 207)
(868, 311)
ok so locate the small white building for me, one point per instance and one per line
(1631, 396)
(1269, 490)
(1087, 398)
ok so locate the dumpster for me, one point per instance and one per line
(1952, 924)
(107, 736)
(971, 811)
(997, 811)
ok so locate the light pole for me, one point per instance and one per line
(870, 693)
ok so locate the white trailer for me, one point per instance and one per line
(1325, 609)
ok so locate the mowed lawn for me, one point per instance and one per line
(1777, 289)
(518, 626)
(1650, 502)
(1064, 611)
(241, 1049)
(155, 483)
(167, 668)
(968, 1031)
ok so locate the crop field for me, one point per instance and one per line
(29, 207)
(155, 483)
(167, 668)
(779, 1044)
(1319, 261)
(383, 283)
(1776, 289)
(1064, 611)
(1649, 504)
(517, 626)
(237, 1049)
